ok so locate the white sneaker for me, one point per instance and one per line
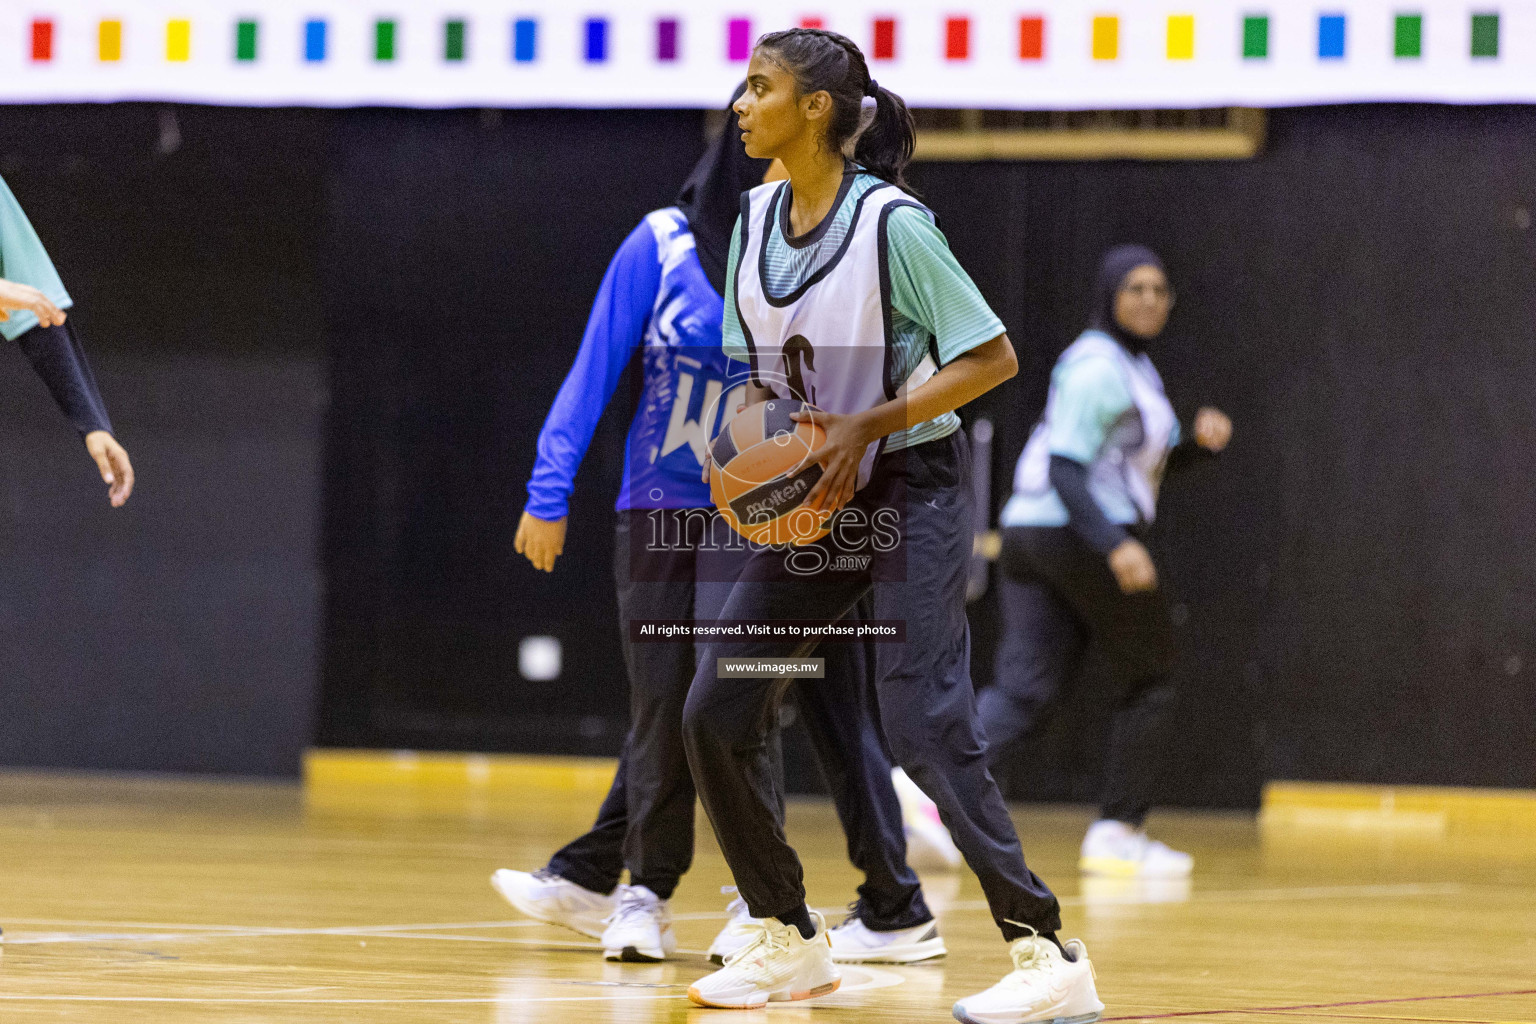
(545, 896)
(640, 930)
(777, 965)
(928, 842)
(1043, 986)
(741, 929)
(854, 942)
(1115, 849)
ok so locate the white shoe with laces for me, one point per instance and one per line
(928, 843)
(776, 966)
(545, 896)
(854, 942)
(640, 930)
(1114, 849)
(1044, 986)
(741, 929)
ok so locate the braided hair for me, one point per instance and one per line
(821, 60)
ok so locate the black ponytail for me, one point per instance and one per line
(886, 146)
(821, 60)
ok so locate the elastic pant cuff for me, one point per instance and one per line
(1132, 816)
(914, 913)
(662, 887)
(781, 910)
(590, 880)
(1012, 931)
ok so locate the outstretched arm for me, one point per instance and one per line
(614, 331)
(60, 361)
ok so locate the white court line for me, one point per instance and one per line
(191, 932)
(514, 942)
(286, 930)
(256, 929)
(551, 944)
(195, 932)
(228, 931)
(269, 1001)
(874, 978)
(347, 933)
(1313, 892)
(1246, 895)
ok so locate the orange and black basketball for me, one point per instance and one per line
(760, 474)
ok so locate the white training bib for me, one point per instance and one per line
(1131, 461)
(828, 341)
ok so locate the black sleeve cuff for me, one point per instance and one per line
(57, 356)
(1070, 479)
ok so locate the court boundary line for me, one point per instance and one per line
(1281, 895)
(186, 932)
(13, 997)
(876, 978)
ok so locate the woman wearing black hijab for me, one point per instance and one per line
(675, 560)
(1074, 566)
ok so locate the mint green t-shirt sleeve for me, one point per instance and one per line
(1090, 395)
(929, 287)
(732, 340)
(24, 260)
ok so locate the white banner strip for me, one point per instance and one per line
(1054, 54)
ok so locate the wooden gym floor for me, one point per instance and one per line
(128, 900)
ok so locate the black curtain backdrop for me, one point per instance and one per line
(1360, 300)
(178, 633)
(329, 339)
(465, 249)
(1348, 575)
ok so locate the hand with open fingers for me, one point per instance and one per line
(16, 297)
(542, 540)
(112, 461)
(1131, 563)
(1213, 429)
(839, 456)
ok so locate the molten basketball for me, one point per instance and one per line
(759, 474)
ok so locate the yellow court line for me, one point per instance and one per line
(333, 775)
(338, 768)
(1327, 802)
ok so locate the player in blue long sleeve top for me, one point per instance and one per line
(661, 299)
(654, 298)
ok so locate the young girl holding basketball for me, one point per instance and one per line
(842, 292)
(661, 301)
